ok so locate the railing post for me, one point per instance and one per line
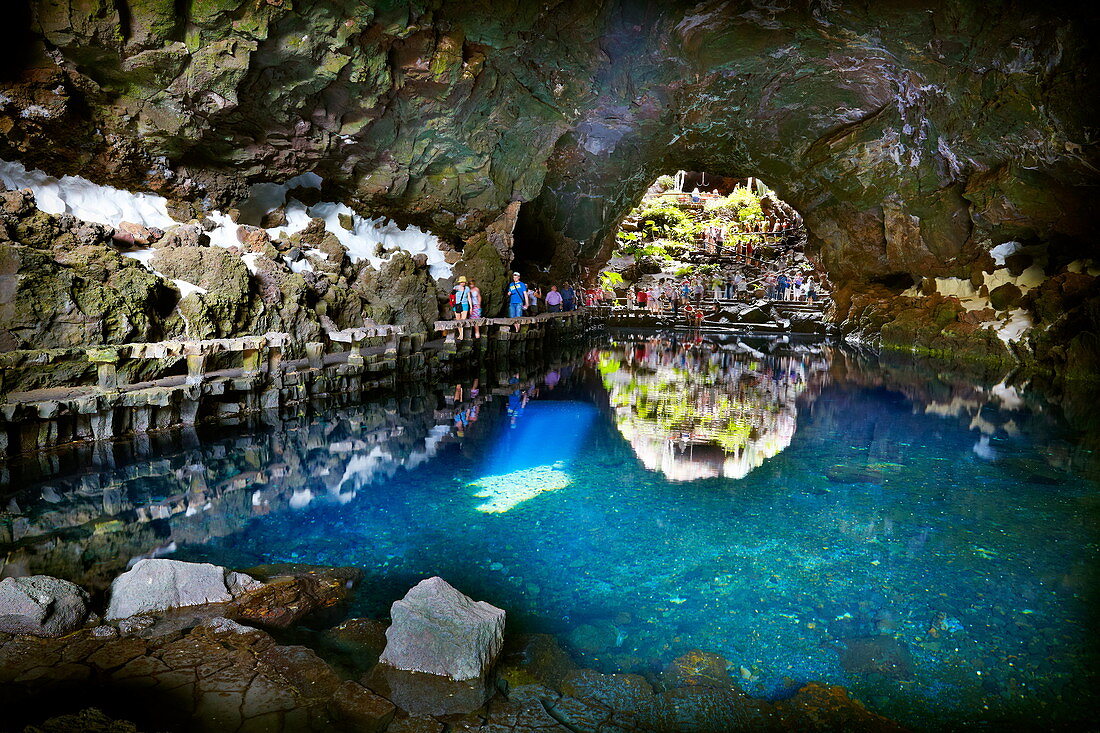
(252, 355)
(355, 355)
(315, 352)
(106, 362)
(196, 368)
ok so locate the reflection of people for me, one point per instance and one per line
(517, 296)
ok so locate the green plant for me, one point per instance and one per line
(611, 280)
(665, 182)
(664, 221)
(742, 204)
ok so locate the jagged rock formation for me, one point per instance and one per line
(912, 139)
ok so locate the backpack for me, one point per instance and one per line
(452, 297)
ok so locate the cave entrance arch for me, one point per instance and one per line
(732, 236)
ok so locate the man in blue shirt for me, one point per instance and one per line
(517, 296)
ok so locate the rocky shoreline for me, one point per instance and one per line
(198, 647)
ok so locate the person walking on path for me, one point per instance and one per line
(553, 300)
(781, 284)
(461, 306)
(533, 296)
(568, 298)
(475, 306)
(517, 297)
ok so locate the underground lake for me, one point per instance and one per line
(787, 510)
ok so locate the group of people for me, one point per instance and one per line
(670, 295)
(466, 300)
(791, 286)
(526, 300)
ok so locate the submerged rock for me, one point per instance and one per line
(883, 655)
(160, 584)
(438, 630)
(41, 605)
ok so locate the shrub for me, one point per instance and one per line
(664, 221)
(742, 204)
(665, 183)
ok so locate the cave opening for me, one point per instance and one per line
(728, 239)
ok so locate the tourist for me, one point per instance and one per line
(675, 297)
(653, 299)
(699, 290)
(553, 300)
(475, 306)
(517, 296)
(642, 297)
(781, 284)
(696, 197)
(798, 286)
(811, 290)
(568, 298)
(770, 286)
(533, 296)
(461, 305)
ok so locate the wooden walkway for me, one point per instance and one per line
(226, 378)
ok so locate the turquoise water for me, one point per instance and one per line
(927, 541)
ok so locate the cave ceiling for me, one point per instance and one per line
(912, 137)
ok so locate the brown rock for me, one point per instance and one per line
(699, 668)
(254, 239)
(137, 233)
(360, 709)
(1005, 297)
(290, 593)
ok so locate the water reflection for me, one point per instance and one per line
(894, 528)
(702, 410)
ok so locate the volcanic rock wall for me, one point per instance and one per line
(913, 139)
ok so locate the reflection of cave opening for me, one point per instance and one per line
(731, 238)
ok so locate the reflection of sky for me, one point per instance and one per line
(705, 413)
(532, 454)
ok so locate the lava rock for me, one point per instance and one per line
(1005, 297)
(699, 668)
(360, 709)
(438, 630)
(159, 584)
(41, 605)
(290, 593)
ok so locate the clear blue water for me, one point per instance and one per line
(928, 542)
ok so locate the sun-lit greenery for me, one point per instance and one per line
(665, 182)
(742, 205)
(611, 280)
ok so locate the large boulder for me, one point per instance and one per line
(159, 584)
(41, 605)
(438, 630)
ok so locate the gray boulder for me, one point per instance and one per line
(159, 584)
(438, 630)
(42, 606)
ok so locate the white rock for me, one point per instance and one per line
(438, 630)
(159, 584)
